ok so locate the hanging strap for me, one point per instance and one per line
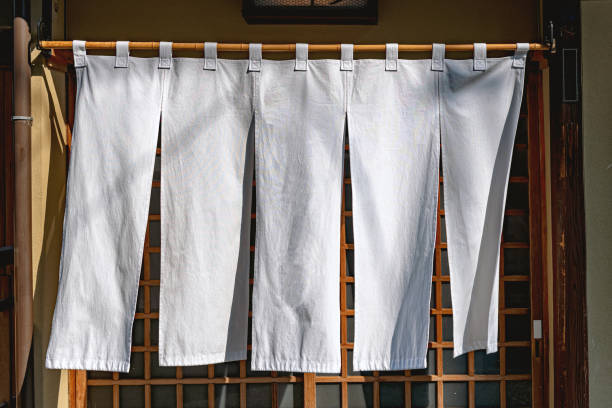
(79, 52)
(255, 57)
(210, 56)
(346, 57)
(480, 56)
(165, 55)
(122, 53)
(391, 52)
(520, 55)
(301, 57)
(437, 57)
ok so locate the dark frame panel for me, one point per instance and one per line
(571, 383)
(254, 14)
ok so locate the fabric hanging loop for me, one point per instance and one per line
(165, 55)
(210, 56)
(346, 57)
(520, 55)
(79, 52)
(480, 56)
(437, 57)
(255, 57)
(391, 55)
(122, 54)
(301, 57)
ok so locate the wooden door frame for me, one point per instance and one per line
(571, 383)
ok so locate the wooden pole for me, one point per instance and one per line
(233, 47)
(22, 123)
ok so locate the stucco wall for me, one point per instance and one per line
(597, 126)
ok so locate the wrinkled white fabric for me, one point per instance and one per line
(396, 112)
(205, 212)
(394, 139)
(479, 112)
(107, 200)
(300, 120)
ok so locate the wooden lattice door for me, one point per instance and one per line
(515, 376)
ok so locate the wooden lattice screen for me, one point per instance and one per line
(513, 377)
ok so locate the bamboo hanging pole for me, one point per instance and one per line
(232, 47)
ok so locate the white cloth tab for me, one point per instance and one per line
(122, 53)
(165, 55)
(210, 56)
(255, 57)
(480, 56)
(301, 57)
(437, 57)
(346, 57)
(79, 53)
(520, 55)
(391, 51)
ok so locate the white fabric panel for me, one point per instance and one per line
(479, 114)
(298, 146)
(109, 183)
(205, 211)
(394, 151)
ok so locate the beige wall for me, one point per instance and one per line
(597, 125)
(198, 20)
(399, 21)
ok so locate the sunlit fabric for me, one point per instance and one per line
(393, 127)
(109, 184)
(479, 113)
(290, 118)
(206, 189)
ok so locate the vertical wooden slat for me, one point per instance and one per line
(147, 321)
(440, 394)
(538, 230)
(81, 389)
(471, 383)
(72, 388)
(376, 390)
(115, 391)
(243, 390)
(343, 384)
(274, 391)
(310, 391)
(407, 391)
(179, 388)
(211, 387)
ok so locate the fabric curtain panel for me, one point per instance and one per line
(109, 183)
(479, 111)
(299, 141)
(394, 146)
(206, 186)
(290, 118)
